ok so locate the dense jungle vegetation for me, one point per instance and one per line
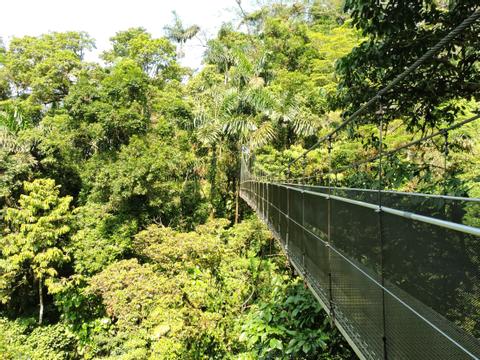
(122, 235)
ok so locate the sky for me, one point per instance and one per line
(101, 19)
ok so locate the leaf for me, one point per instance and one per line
(306, 347)
(275, 344)
(268, 316)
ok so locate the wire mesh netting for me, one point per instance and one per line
(398, 287)
(456, 209)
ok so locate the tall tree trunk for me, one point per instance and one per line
(40, 294)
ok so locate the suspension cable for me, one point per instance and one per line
(397, 149)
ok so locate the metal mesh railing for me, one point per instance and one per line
(407, 287)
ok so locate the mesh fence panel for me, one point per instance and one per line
(419, 332)
(316, 215)
(354, 234)
(283, 205)
(317, 265)
(316, 238)
(272, 210)
(295, 240)
(439, 268)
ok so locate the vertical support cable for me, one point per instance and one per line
(259, 194)
(329, 230)
(446, 151)
(279, 212)
(251, 177)
(287, 237)
(445, 178)
(303, 214)
(380, 223)
(267, 211)
(264, 197)
(254, 187)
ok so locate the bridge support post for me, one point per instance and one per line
(287, 235)
(304, 269)
(329, 233)
(380, 225)
(446, 151)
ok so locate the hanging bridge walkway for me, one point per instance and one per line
(401, 279)
(399, 273)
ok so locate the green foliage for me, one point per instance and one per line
(101, 238)
(43, 67)
(281, 78)
(156, 177)
(16, 166)
(12, 339)
(291, 324)
(400, 32)
(106, 109)
(185, 297)
(127, 289)
(11, 118)
(18, 341)
(152, 55)
(52, 342)
(34, 237)
(181, 302)
(180, 34)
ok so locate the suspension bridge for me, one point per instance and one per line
(398, 272)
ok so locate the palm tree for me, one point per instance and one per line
(253, 113)
(179, 34)
(244, 110)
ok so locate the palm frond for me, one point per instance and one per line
(240, 126)
(302, 125)
(261, 100)
(231, 101)
(200, 117)
(263, 135)
(12, 119)
(9, 142)
(209, 134)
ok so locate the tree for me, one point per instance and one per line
(152, 55)
(106, 108)
(275, 81)
(397, 33)
(43, 68)
(16, 165)
(33, 245)
(2, 51)
(153, 178)
(179, 34)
